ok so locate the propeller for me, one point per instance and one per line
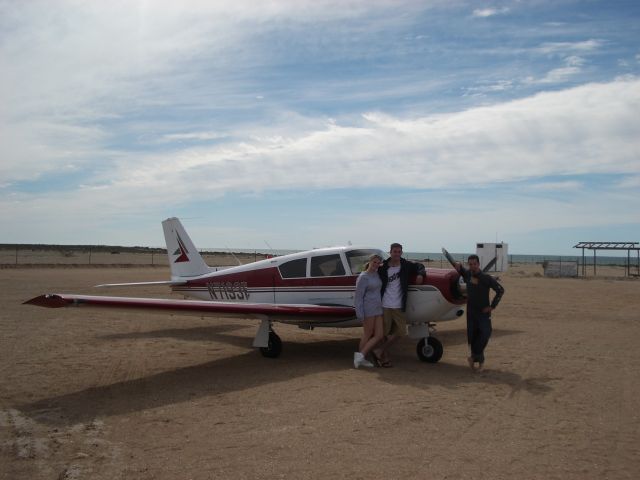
(449, 257)
(487, 267)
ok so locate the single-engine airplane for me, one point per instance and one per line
(309, 289)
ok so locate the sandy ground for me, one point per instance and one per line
(110, 395)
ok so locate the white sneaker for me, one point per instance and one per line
(366, 363)
(360, 361)
(357, 359)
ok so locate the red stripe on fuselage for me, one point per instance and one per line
(444, 280)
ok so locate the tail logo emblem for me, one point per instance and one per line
(181, 251)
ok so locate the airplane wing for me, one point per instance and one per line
(169, 283)
(282, 312)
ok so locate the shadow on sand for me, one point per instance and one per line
(250, 370)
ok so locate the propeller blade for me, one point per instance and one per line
(449, 257)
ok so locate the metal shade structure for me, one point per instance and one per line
(595, 246)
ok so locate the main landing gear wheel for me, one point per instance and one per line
(429, 350)
(275, 346)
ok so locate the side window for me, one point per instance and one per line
(357, 259)
(326, 266)
(294, 268)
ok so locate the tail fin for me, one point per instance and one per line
(184, 259)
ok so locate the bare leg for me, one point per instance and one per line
(391, 339)
(375, 338)
(368, 330)
(368, 334)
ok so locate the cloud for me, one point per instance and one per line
(192, 136)
(568, 185)
(583, 130)
(506, 215)
(573, 59)
(590, 129)
(585, 46)
(81, 80)
(499, 86)
(573, 66)
(489, 12)
(631, 182)
(189, 105)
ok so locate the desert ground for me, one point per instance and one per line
(91, 394)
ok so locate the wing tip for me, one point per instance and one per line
(50, 300)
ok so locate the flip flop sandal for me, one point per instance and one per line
(376, 360)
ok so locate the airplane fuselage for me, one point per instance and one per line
(322, 277)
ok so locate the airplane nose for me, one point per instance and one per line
(461, 287)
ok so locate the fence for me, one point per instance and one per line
(105, 256)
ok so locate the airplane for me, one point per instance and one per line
(309, 289)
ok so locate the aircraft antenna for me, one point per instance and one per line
(234, 256)
(270, 247)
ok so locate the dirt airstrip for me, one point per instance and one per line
(118, 395)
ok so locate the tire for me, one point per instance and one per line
(275, 346)
(429, 351)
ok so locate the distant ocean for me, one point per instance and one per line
(438, 259)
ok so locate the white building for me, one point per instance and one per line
(488, 251)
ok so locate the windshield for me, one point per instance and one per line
(357, 258)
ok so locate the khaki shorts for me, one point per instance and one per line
(395, 322)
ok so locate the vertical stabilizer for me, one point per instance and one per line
(184, 259)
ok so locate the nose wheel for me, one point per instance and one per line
(429, 350)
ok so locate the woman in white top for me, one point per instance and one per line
(368, 304)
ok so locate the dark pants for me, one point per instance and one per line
(478, 333)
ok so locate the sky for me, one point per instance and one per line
(301, 124)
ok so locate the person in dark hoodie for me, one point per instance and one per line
(395, 273)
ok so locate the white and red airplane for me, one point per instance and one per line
(309, 289)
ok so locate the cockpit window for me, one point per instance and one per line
(326, 266)
(294, 268)
(357, 259)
